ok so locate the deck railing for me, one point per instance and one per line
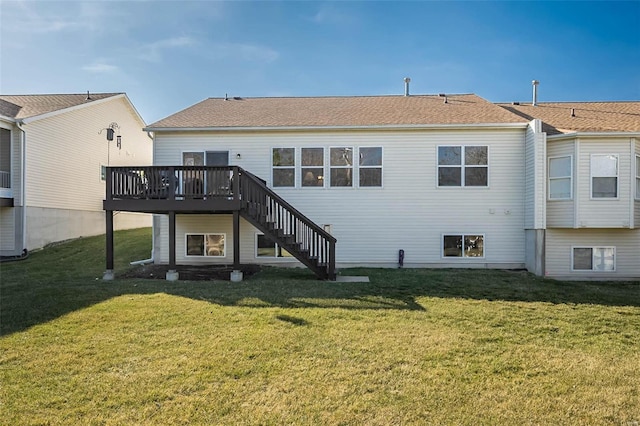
(293, 231)
(258, 204)
(169, 182)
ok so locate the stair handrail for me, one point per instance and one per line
(282, 201)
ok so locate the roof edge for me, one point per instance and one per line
(330, 128)
(616, 134)
(33, 118)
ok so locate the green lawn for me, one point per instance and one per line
(411, 347)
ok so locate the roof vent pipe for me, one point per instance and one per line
(407, 80)
(535, 83)
(573, 112)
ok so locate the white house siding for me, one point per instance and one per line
(535, 172)
(409, 212)
(636, 221)
(65, 152)
(7, 229)
(603, 213)
(561, 213)
(559, 243)
(64, 155)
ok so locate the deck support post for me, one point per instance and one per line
(172, 274)
(236, 240)
(108, 274)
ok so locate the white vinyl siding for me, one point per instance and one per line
(7, 228)
(64, 153)
(561, 242)
(603, 212)
(409, 212)
(637, 177)
(535, 172)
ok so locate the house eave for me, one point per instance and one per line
(457, 126)
(574, 135)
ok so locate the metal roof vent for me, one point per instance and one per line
(88, 98)
(407, 80)
(535, 84)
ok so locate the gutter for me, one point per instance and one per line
(594, 135)
(331, 128)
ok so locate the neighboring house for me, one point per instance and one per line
(448, 181)
(53, 157)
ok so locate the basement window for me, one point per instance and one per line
(208, 245)
(594, 259)
(265, 247)
(463, 245)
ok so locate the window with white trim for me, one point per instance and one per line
(208, 245)
(283, 167)
(560, 176)
(463, 245)
(463, 166)
(604, 176)
(312, 166)
(341, 166)
(265, 247)
(594, 259)
(637, 177)
(370, 166)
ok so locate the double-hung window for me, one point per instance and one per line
(594, 259)
(463, 245)
(604, 176)
(463, 166)
(341, 166)
(560, 172)
(312, 169)
(637, 177)
(283, 167)
(370, 166)
(209, 245)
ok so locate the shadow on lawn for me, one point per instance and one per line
(25, 304)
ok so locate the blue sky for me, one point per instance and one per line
(168, 55)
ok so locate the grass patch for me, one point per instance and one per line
(410, 347)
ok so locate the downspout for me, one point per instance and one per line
(23, 189)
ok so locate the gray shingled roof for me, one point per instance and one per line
(589, 116)
(353, 111)
(25, 106)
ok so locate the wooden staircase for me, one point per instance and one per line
(286, 226)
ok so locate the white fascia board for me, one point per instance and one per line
(133, 108)
(594, 135)
(5, 118)
(73, 108)
(480, 126)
